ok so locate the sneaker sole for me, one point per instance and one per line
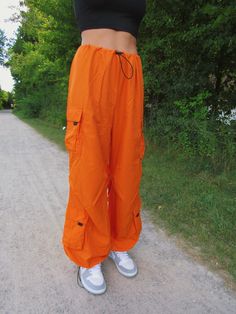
(82, 285)
(123, 273)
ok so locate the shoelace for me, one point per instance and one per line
(120, 54)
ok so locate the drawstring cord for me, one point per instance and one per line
(120, 54)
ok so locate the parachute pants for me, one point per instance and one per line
(105, 143)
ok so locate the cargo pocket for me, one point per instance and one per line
(137, 215)
(72, 139)
(74, 232)
(137, 220)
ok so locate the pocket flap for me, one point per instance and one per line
(74, 232)
(72, 130)
(74, 115)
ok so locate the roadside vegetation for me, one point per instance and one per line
(188, 51)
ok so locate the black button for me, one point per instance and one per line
(80, 223)
(75, 122)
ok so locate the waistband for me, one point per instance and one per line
(120, 53)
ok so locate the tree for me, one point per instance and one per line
(3, 39)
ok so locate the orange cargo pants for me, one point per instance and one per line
(105, 143)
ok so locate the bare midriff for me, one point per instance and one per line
(110, 38)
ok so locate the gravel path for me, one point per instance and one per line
(37, 277)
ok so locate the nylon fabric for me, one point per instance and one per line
(105, 144)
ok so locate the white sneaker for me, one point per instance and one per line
(124, 263)
(92, 279)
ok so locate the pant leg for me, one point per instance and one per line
(127, 151)
(105, 144)
(86, 235)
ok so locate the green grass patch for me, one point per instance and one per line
(197, 205)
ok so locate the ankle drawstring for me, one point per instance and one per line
(120, 54)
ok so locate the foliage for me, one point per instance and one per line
(3, 40)
(6, 99)
(188, 51)
(40, 58)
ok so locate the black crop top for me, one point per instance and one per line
(123, 15)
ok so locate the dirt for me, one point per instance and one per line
(37, 277)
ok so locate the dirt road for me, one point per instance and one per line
(37, 277)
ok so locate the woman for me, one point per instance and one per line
(105, 141)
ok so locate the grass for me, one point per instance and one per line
(197, 207)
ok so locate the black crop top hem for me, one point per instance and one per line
(122, 15)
